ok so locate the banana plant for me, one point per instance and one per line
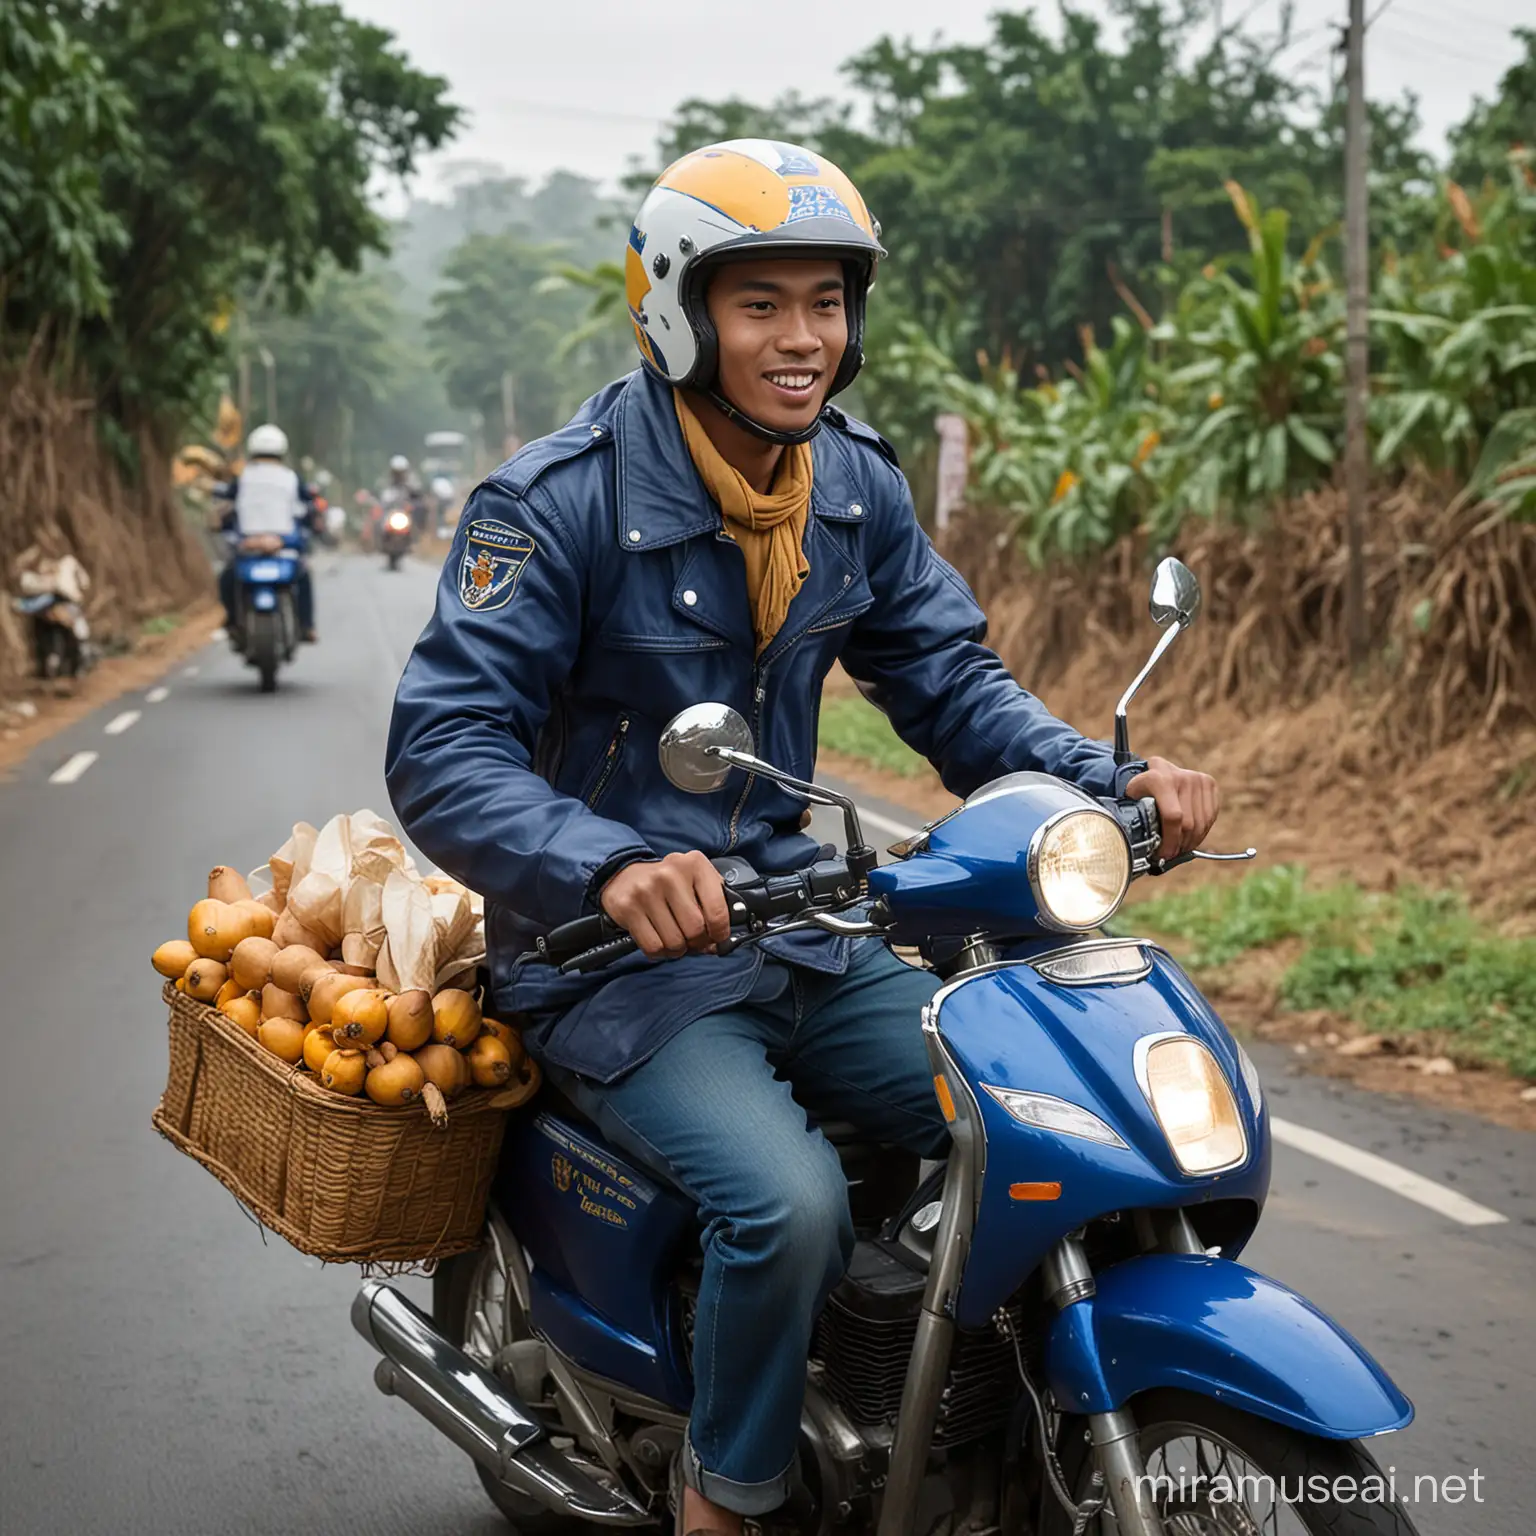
(1260, 393)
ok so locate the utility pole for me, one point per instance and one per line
(1357, 339)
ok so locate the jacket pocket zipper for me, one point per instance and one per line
(610, 762)
(759, 689)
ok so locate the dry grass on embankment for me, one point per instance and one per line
(1418, 777)
(65, 494)
(1424, 769)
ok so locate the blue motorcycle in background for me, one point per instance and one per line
(266, 627)
(1049, 1333)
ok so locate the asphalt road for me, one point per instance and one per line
(163, 1370)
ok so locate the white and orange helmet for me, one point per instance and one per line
(739, 199)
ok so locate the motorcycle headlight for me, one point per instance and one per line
(1079, 868)
(399, 522)
(1194, 1104)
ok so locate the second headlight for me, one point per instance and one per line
(1079, 869)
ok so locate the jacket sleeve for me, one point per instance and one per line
(918, 654)
(469, 710)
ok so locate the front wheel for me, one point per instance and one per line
(1216, 1471)
(394, 559)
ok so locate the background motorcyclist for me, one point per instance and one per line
(267, 497)
(402, 488)
(663, 549)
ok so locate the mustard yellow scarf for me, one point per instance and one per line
(769, 528)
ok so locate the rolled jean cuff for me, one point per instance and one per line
(740, 1498)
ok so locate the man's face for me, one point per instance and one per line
(783, 328)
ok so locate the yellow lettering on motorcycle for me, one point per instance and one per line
(590, 1207)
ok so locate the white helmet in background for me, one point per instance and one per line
(442, 488)
(399, 464)
(267, 442)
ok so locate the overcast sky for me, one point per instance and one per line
(586, 85)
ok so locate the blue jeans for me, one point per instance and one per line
(712, 1109)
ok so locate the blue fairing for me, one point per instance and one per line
(1213, 1327)
(605, 1241)
(973, 875)
(1011, 1028)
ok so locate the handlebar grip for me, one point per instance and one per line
(596, 959)
(572, 938)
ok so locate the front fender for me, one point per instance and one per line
(1214, 1327)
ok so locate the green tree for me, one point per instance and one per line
(1494, 130)
(496, 318)
(260, 126)
(60, 116)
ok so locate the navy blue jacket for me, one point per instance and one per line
(590, 595)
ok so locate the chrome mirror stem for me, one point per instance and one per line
(861, 857)
(1122, 729)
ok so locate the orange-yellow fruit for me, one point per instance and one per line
(318, 1044)
(251, 963)
(289, 966)
(173, 957)
(204, 978)
(181, 983)
(410, 1021)
(359, 1019)
(344, 1071)
(214, 928)
(508, 1036)
(444, 1066)
(490, 1063)
(244, 1010)
(277, 1004)
(283, 1037)
(327, 991)
(231, 988)
(455, 1018)
(396, 1082)
(259, 920)
(226, 884)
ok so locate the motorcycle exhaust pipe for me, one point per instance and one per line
(474, 1410)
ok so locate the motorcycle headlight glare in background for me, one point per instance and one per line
(1049, 1113)
(399, 522)
(1079, 868)
(1194, 1105)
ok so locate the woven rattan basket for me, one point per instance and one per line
(344, 1179)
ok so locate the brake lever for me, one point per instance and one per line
(1162, 866)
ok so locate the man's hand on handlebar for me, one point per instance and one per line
(671, 906)
(1188, 804)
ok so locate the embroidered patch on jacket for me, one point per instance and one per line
(494, 557)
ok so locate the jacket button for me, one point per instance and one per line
(690, 597)
(854, 508)
(634, 535)
(597, 431)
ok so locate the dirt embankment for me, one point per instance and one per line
(65, 493)
(1420, 772)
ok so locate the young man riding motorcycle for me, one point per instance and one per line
(267, 497)
(711, 528)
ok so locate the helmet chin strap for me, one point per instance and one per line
(756, 428)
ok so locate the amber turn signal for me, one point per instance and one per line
(945, 1098)
(1034, 1191)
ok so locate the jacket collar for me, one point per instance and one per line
(662, 500)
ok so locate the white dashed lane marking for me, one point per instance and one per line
(70, 771)
(122, 722)
(1439, 1198)
(157, 695)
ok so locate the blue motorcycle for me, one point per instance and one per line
(266, 575)
(1050, 1333)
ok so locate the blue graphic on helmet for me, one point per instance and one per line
(816, 203)
(795, 162)
(637, 239)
